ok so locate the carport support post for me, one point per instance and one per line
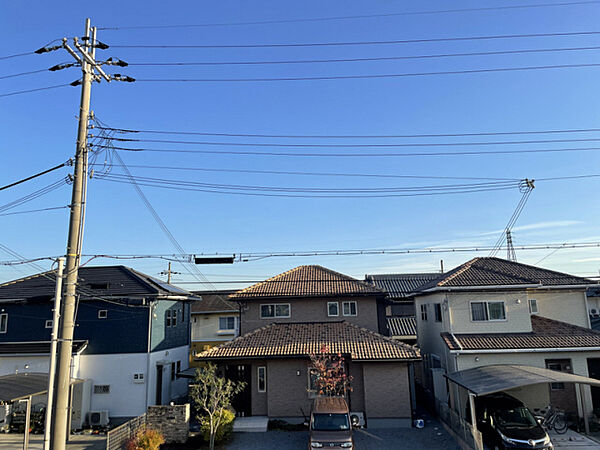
(472, 408)
(586, 423)
(27, 420)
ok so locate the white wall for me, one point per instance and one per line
(564, 305)
(9, 365)
(171, 389)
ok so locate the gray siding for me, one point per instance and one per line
(163, 337)
(387, 391)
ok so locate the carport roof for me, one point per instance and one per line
(23, 385)
(497, 378)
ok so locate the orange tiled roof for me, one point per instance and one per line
(307, 281)
(546, 333)
(304, 339)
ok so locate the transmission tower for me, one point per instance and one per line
(510, 249)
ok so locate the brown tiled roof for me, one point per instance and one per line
(402, 326)
(303, 339)
(308, 281)
(213, 303)
(546, 333)
(501, 272)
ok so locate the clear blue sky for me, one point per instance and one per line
(38, 131)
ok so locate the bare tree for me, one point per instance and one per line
(212, 395)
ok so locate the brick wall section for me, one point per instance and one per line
(387, 390)
(172, 421)
(287, 391)
(312, 310)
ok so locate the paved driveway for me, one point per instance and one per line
(36, 442)
(433, 436)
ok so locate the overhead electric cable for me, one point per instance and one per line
(356, 136)
(34, 210)
(26, 91)
(382, 58)
(32, 196)
(36, 175)
(22, 74)
(352, 17)
(16, 56)
(398, 41)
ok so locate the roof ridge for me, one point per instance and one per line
(347, 277)
(515, 263)
(26, 278)
(260, 283)
(458, 270)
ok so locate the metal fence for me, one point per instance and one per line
(462, 428)
(117, 437)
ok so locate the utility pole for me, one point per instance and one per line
(168, 273)
(53, 344)
(85, 56)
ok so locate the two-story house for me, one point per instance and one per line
(291, 316)
(132, 335)
(491, 311)
(214, 320)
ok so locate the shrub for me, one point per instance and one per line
(225, 427)
(146, 439)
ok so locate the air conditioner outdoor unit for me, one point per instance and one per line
(98, 418)
(594, 312)
(361, 417)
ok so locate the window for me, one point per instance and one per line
(3, 323)
(226, 323)
(174, 318)
(178, 366)
(438, 311)
(102, 314)
(424, 312)
(262, 379)
(333, 309)
(560, 365)
(48, 324)
(533, 309)
(349, 308)
(173, 372)
(102, 389)
(486, 311)
(275, 310)
(168, 318)
(313, 376)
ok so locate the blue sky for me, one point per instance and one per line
(38, 131)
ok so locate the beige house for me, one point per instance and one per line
(287, 318)
(492, 311)
(214, 320)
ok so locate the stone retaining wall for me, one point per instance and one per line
(172, 421)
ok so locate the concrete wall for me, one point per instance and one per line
(564, 305)
(387, 390)
(312, 310)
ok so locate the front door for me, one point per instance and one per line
(594, 372)
(159, 384)
(241, 403)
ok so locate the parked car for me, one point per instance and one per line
(506, 423)
(330, 424)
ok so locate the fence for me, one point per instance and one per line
(117, 437)
(463, 429)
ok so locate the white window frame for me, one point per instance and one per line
(102, 313)
(349, 303)
(168, 319)
(487, 310)
(533, 301)
(262, 369)
(275, 316)
(423, 309)
(4, 319)
(337, 308)
(228, 330)
(48, 324)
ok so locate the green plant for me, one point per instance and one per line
(224, 429)
(146, 439)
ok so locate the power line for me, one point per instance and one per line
(356, 77)
(361, 16)
(34, 210)
(69, 162)
(16, 56)
(320, 145)
(400, 41)
(34, 195)
(488, 133)
(34, 90)
(338, 60)
(327, 174)
(351, 155)
(23, 73)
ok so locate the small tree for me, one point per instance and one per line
(212, 395)
(329, 368)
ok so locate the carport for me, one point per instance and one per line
(21, 388)
(497, 378)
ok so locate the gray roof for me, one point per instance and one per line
(35, 347)
(23, 385)
(487, 380)
(402, 326)
(494, 272)
(100, 281)
(400, 285)
(593, 291)
(212, 303)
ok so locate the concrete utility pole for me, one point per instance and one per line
(168, 273)
(60, 408)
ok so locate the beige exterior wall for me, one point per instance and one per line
(312, 310)
(387, 390)
(428, 332)
(564, 305)
(205, 327)
(534, 396)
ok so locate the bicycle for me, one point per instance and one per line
(553, 418)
